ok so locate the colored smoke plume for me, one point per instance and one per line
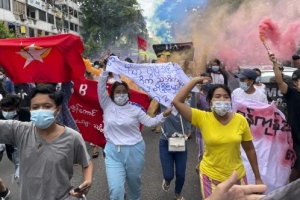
(231, 32)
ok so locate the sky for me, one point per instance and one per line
(160, 14)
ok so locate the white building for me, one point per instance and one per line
(30, 18)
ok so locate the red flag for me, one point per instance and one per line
(142, 43)
(87, 113)
(43, 59)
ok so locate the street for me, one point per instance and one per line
(152, 175)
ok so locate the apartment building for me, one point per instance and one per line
(31, 18)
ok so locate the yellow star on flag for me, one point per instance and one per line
(32, 53)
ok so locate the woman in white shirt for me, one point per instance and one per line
(125, 147)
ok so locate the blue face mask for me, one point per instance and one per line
(42, 118)
(244, 86)
(9, 115)
(258, 79)
(1, 77)
(215, 68)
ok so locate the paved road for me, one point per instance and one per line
(152, 176)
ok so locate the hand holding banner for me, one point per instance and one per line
(272, 140)
(161, 81)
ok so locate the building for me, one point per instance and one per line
(31, 18)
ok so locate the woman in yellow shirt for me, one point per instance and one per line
(223, 132)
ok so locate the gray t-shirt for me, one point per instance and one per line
(45, 168)
(172, 124)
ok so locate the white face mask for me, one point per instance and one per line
(121, 99)
(244, 86)
(9, 115)
(221, 107)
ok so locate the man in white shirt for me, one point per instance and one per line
(246, 90)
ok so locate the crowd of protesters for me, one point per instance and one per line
(43, 131)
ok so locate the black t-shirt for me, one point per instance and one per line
(293, 107)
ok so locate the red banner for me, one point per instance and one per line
(87, 113)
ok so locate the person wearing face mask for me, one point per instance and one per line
(223, 133)
(247, 90)
(47, 150)
(258, 85)
(292, 96)
(125, 147)
(8, 84)
(10, 110)
(218, 76)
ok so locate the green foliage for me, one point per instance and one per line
(113, 22)
(91, 48)
(4, 32)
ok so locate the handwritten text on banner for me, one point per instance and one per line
(272, 140)
(161, 81)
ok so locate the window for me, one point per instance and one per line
(40, 32)
(76, 27)
(32, 14)
(18, 7)
(31, 32)
(50, 18)
(42, 15)
(5, 4)
(75, 13)
(66, 24)
(71, 26)
(46, 33)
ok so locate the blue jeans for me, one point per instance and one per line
(168, 160)
(124, 163)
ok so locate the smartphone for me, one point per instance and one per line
(79, 190)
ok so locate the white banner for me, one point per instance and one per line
(36, 3)
(59, 2)
(272, 140)
(161, 81)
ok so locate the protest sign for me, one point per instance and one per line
(272, 140)
(161, 81)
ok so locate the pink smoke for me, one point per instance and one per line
(269, 29)
(233, 36)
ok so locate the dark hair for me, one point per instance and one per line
(49, 89)
(115, 85)
(2, 70)
(216, 61)
(10, 100)
(96, 63)
(212, 90)
(53, 84)
(128, 60)
(257, 70)
(206, 75)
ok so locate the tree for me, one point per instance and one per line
(4, 32)
(91, 48)
(112, 22)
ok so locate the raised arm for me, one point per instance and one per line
(179, 99)
(103, 97)
(283, 87)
